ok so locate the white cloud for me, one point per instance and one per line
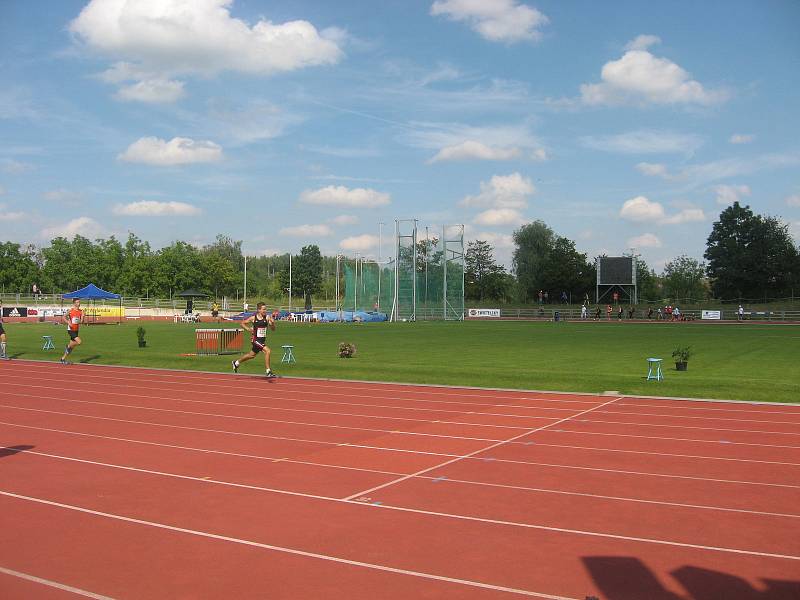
(495, 20)
(15, 167)
(728, 194)
(177, 151)
(152, 91)
(501, 241)
(472, 150)
(646, 240)
(499, 216)
(793, 200)
(84, 226)
(641, 78)
(540, 154)
(160, 39)
(687, 215)
(641, 209)
(151, 208)
(64, 197)
(307, 231)
(794, 229)
(502, 191)
(345, 220)
(435, 136)
(643, 42)
(359, 243)
(645, 141)
(333, 195)
(653, 170)
(741, 138)
(7, 216)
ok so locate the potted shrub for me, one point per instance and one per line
(140, 337)
(347, 350)
(681, 355)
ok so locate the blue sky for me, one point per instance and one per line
(286, 123)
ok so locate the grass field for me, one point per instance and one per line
(745, 362)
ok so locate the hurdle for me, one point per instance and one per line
(210, 342)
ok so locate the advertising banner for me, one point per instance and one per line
(711, 314)
(483, 312)
(15, 311)
(103, 311)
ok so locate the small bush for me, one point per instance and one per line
(682, 353)
(140, 333)
(347, 350)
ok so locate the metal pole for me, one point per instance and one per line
(380, 239)
(395, 303)
(244, 296)
(355, 285)
(444, 271)
(426, 266)
(290, 282)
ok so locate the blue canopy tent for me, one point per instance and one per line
(92, 292)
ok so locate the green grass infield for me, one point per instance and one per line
(738, 361)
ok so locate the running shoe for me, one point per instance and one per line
(270, 375)
(64, 361)
(235, 368)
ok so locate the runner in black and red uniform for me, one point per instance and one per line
(73, 320)
(3, 351)
(258, 332)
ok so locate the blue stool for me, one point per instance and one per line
(48, 342)
(288, 355)
(654, 369)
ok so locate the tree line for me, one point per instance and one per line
(748, 256)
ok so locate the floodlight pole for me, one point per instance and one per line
(244, 295)
(290, 281)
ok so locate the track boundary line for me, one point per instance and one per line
(471, 454)
(54, 584)
(401, 450)
(687, 427)
(420, 511)
(429, 385)
(381, 472)
(285, 549)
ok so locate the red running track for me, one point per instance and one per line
(134, 483)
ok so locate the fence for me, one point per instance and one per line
(574, 314)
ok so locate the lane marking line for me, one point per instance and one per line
(471, 454)
(286, 550)
(54, 584)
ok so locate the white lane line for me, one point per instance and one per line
(652, 437)
(645, 414)
(226, 391)
(286, 550)
(686, 427)
(420, 452)
(791, 412)
(256, 419)
(54, 584)
(581, 532)
(425, 477)
(149, 396)
(223, 380)
(471, 454)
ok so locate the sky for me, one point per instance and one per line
(626, 126)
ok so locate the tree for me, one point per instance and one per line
(307, 272)
(533, 242)
(750, 256)
(18, 269)
(484, 277)
(648, 284)
(684, 278)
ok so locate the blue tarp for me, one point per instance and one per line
(348, 316)
(92, 292)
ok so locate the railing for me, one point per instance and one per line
(572, 314)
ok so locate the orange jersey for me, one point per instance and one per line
(74, 317)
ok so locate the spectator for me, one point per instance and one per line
(215, 311)
(583, 312)
(615, 297)
(676, 314)
(541, 296)
(740, 313)
(660, 314)
(546, 297)
(631, 311)
(608, 312)
(597, 313)
(620, 314)
(189, 306)
(35, 291)
(650, 313)
(564, 298)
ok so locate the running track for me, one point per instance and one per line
(133, 483)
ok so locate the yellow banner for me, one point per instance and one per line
(104, 311)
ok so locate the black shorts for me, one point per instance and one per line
(215, 313)
(72, 334)
(257, 348)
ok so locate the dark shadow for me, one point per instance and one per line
(89, 359)
(628, 578)
(17, 355)
(12, 450)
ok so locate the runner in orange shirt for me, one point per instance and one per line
(72, 320)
